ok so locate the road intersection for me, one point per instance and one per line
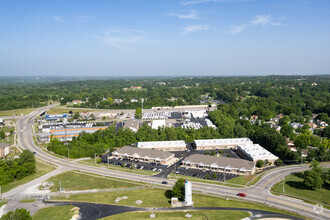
(260, 192)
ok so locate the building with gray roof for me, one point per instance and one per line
(144, 155)
(219, 164)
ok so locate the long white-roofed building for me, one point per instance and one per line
(219, 164)
(163, 145)
(211, 144)
(255, 152)
(144, 155)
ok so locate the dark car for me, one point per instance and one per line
(241, 194)
(165, 182)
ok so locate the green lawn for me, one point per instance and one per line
(2, 203)
(157, 198)
(41, 169)
(17, 112)
(91, 162)
(241, 180)
(27, 200)
(196, 215)
(294, 186)
(54, 213)
(79, 181)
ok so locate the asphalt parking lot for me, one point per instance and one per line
(201, 174)
(137, 165)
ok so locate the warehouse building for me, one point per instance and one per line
(255, 152)
(219, 164)
(212, 144)
(163, 145)
(144, 155)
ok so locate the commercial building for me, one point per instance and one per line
(219, 164)
(164, 145)
(144, 155)
(255, 152)
(158, 123)
(212, 144)
(4, 149)
(132, 124)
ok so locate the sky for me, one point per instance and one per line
(164, 37)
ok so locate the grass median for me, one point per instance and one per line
(72, 181)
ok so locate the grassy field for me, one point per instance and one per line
(41, 169)
(54, 213)
(294, 186)
(158, 198)
(61, 110)
(27, 200)
(17, 112)
(78, 181)
(2, 203)
(90, 162)
(196, 215)
(241, 180)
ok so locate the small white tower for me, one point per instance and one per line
(188, 194)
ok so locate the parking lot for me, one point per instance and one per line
(201, 174)
(137, 165)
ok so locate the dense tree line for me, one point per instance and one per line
(16, 169)
(264, 96)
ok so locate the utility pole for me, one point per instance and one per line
(224, 175)
(68, 153)
(60, 187)
(95, 159)
(283, 185)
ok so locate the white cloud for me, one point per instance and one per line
(58, 18)
(189, 15)
(124, 39)
(85, 17)
(194, 28)
(260, 20)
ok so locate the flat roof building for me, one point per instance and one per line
(219, 164)
(255, 152)
(144, 155)
(210, 144)
(164, 145)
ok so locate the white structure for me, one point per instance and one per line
(255, 152)
(158, 123)
(188, 194)
(195, 114)
(210, 144)
(163, 145)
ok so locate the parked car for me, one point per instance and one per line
(241, 194)
(165, 182)
(177, 172)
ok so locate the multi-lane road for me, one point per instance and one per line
(260, 192)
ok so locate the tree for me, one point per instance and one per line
(214, 176)
(260, 163)
(326, 132)
(322, 116)
(178, 189)
(138, 113)
(302, 141)
(286, 130)
(18, 214)
(207, 176)
(2, 135)
(284, 120)
(313, 179)
(278, 162)
(76, 115)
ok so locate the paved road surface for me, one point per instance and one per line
(260, 192)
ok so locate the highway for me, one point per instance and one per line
(260, 192)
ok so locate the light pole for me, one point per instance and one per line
(283, 184)
(95, 159)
